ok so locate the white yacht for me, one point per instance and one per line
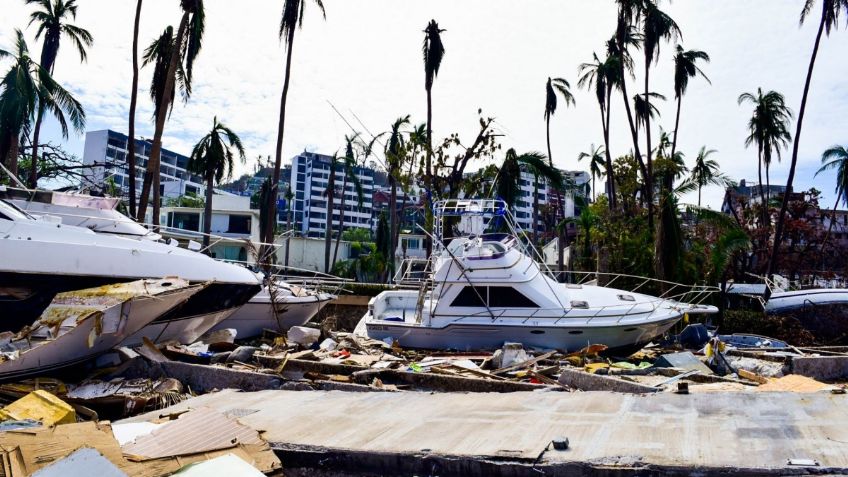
(487, 289)
(278, 307)
(42, 257)
(292, 305)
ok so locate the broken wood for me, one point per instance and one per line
(524, 364)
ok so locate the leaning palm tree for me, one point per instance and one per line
(291, 20)
(707, 171)
(26, 88)
(657, 27)
(836, 157)
(508, 185)
(768, 128)
(131, 127)
(182, 50)
(685, 67)
(349, 174)
(434, 51)
(395, 154)
(644, 111)
(596, 76)
(831, 9)
(213, 159)
(52, 21)
(596, 164)
(551, 88)
(330, 195)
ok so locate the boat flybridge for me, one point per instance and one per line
(481, 289)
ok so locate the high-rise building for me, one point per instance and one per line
(310, 173)
(106, 150)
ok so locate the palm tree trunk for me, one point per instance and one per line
(33, 172)
(393, 219)
(535, 217)
(786, 195)
(151, 175)
(633, 131)
(12, 159)
(207, 210)
(676, 127)
(594, 192)
(768, 198)
(548, 138)
(428, 174)
(328, 228)
(289, 229)
(131, 128)
(270, 223)
(341, 219)
(650, 179)
(613, 200)
(762, 191)
(699, 196)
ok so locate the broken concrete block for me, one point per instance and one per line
(592, 382)
(242, 354)
(513, 353)
(685, 361)
(821, 367)
(303, 336)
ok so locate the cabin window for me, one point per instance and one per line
(508, 297)
(468, 297)
(497, 297)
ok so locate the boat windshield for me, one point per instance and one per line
(10, 212)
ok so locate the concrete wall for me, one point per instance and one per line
(308, 253)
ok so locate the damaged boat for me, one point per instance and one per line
(485, 289)
(278, 307)
(43, 257)
(83, 324)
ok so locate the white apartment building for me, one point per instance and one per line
(309, 178)
(108, 150)
(523, 210)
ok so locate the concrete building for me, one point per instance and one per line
(309, 178)
(107, 151)
(233, 224)
(523, 210)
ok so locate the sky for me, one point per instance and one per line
(365, 59)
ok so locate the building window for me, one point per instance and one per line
(411, 243)
(184, 220)
(239, 224)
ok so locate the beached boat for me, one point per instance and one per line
(44, 257)
(80, 325)
(277, 307)
(487, 289)
(292, 305)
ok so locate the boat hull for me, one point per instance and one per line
(468, 337)
(182, 330)
(72, 347)
(258, 315)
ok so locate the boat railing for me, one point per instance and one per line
(588, 313)
(664, 289)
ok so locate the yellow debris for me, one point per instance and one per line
(40, 406)
(594, 367)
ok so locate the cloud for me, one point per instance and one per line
(366, 60)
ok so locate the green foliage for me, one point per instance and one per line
(188, 200)
(357, 234)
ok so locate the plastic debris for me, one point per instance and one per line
(41, 406)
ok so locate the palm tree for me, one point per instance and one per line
(596, 164)
(685, 67)
(395, 157)
(330, 194)
(508, 186)
(348, 163)
(291, 20)
(212, 158)
(182, 50)
(27, 87)
(707, 171)
(657, 27)
(433, 50)
(768, 128)
(52, 20)
(597, 76)
(551, 88)
(836, 157)
(644, 111)
(133, 101)
(831, 9)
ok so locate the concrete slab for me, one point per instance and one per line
(670, 434)
(821, 367)
(584, 381)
